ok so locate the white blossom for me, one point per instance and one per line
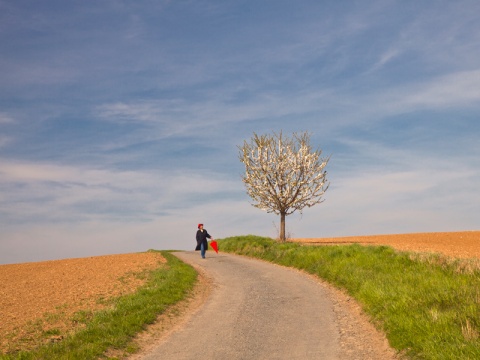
(283, 174)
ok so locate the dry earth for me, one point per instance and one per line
(465, 244)
(38, 297)
(43, 297)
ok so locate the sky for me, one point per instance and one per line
(120, 120)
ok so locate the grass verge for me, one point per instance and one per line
(114, 329)
(427, 307)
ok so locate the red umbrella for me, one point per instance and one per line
(214, 245)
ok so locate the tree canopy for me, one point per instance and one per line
(283, 174)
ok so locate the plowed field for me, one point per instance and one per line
(464, 244)
(39, 301)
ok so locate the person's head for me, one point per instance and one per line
(200, 226)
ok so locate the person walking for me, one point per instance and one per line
(202, 243)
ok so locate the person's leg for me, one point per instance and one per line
(202, 249)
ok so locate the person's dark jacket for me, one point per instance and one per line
(202, 237)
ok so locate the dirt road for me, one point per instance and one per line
(259, 311)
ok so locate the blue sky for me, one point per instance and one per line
(120, 120)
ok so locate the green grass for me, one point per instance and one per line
(115, 328)
(428, 307)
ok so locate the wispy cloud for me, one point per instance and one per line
(385, 58)
(457, 90)
(452, 90)
(4, 141)
(5, 119)
(180, 116)
(67, 193)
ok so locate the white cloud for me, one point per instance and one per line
(453, 90)
(4, 141)
(458, 90)
(404, 201)
(5, 119)
(385, 58)
(68, 193)
(98, 237)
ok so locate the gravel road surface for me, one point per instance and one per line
(257, 310)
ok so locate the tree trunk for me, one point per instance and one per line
(282, 226)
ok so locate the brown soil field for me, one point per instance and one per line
(465, 244)
(41, 298)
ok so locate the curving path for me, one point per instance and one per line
(257, 310)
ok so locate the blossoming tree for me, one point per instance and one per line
(283, 174)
